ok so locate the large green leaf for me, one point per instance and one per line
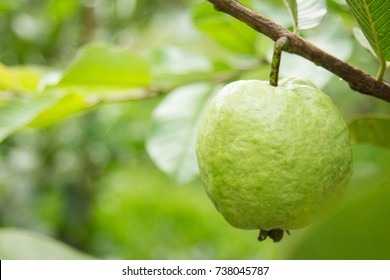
(374, 130)
(373, 17)
(171, 143)
(17, 244)
(106, 68)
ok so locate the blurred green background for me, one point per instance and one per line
(88, 182)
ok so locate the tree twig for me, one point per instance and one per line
(357, 79)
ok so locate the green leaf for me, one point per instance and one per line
(40, 110)
(293, 10)
(176, 60)
(67, 105)
(17, 244)
(374, 130)
(18, 113)
(226, 30)
(174, 66)
(373, 17)
(171, 143)
(63, 9)
(106, 68)
(306, 14)
(7, 6)
(20, 78)
(359, 36)
(310, 13)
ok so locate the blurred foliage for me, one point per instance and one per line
(359, 228)
(35, 247)
(371, 130)
(88, 176)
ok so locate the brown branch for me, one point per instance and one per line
(357, 79)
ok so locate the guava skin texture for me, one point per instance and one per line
(273, 158)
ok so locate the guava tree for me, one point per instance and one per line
(166, 69)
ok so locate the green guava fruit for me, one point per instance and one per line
(273, 158)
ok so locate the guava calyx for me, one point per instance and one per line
(275, 234)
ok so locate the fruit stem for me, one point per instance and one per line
(279, 46)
